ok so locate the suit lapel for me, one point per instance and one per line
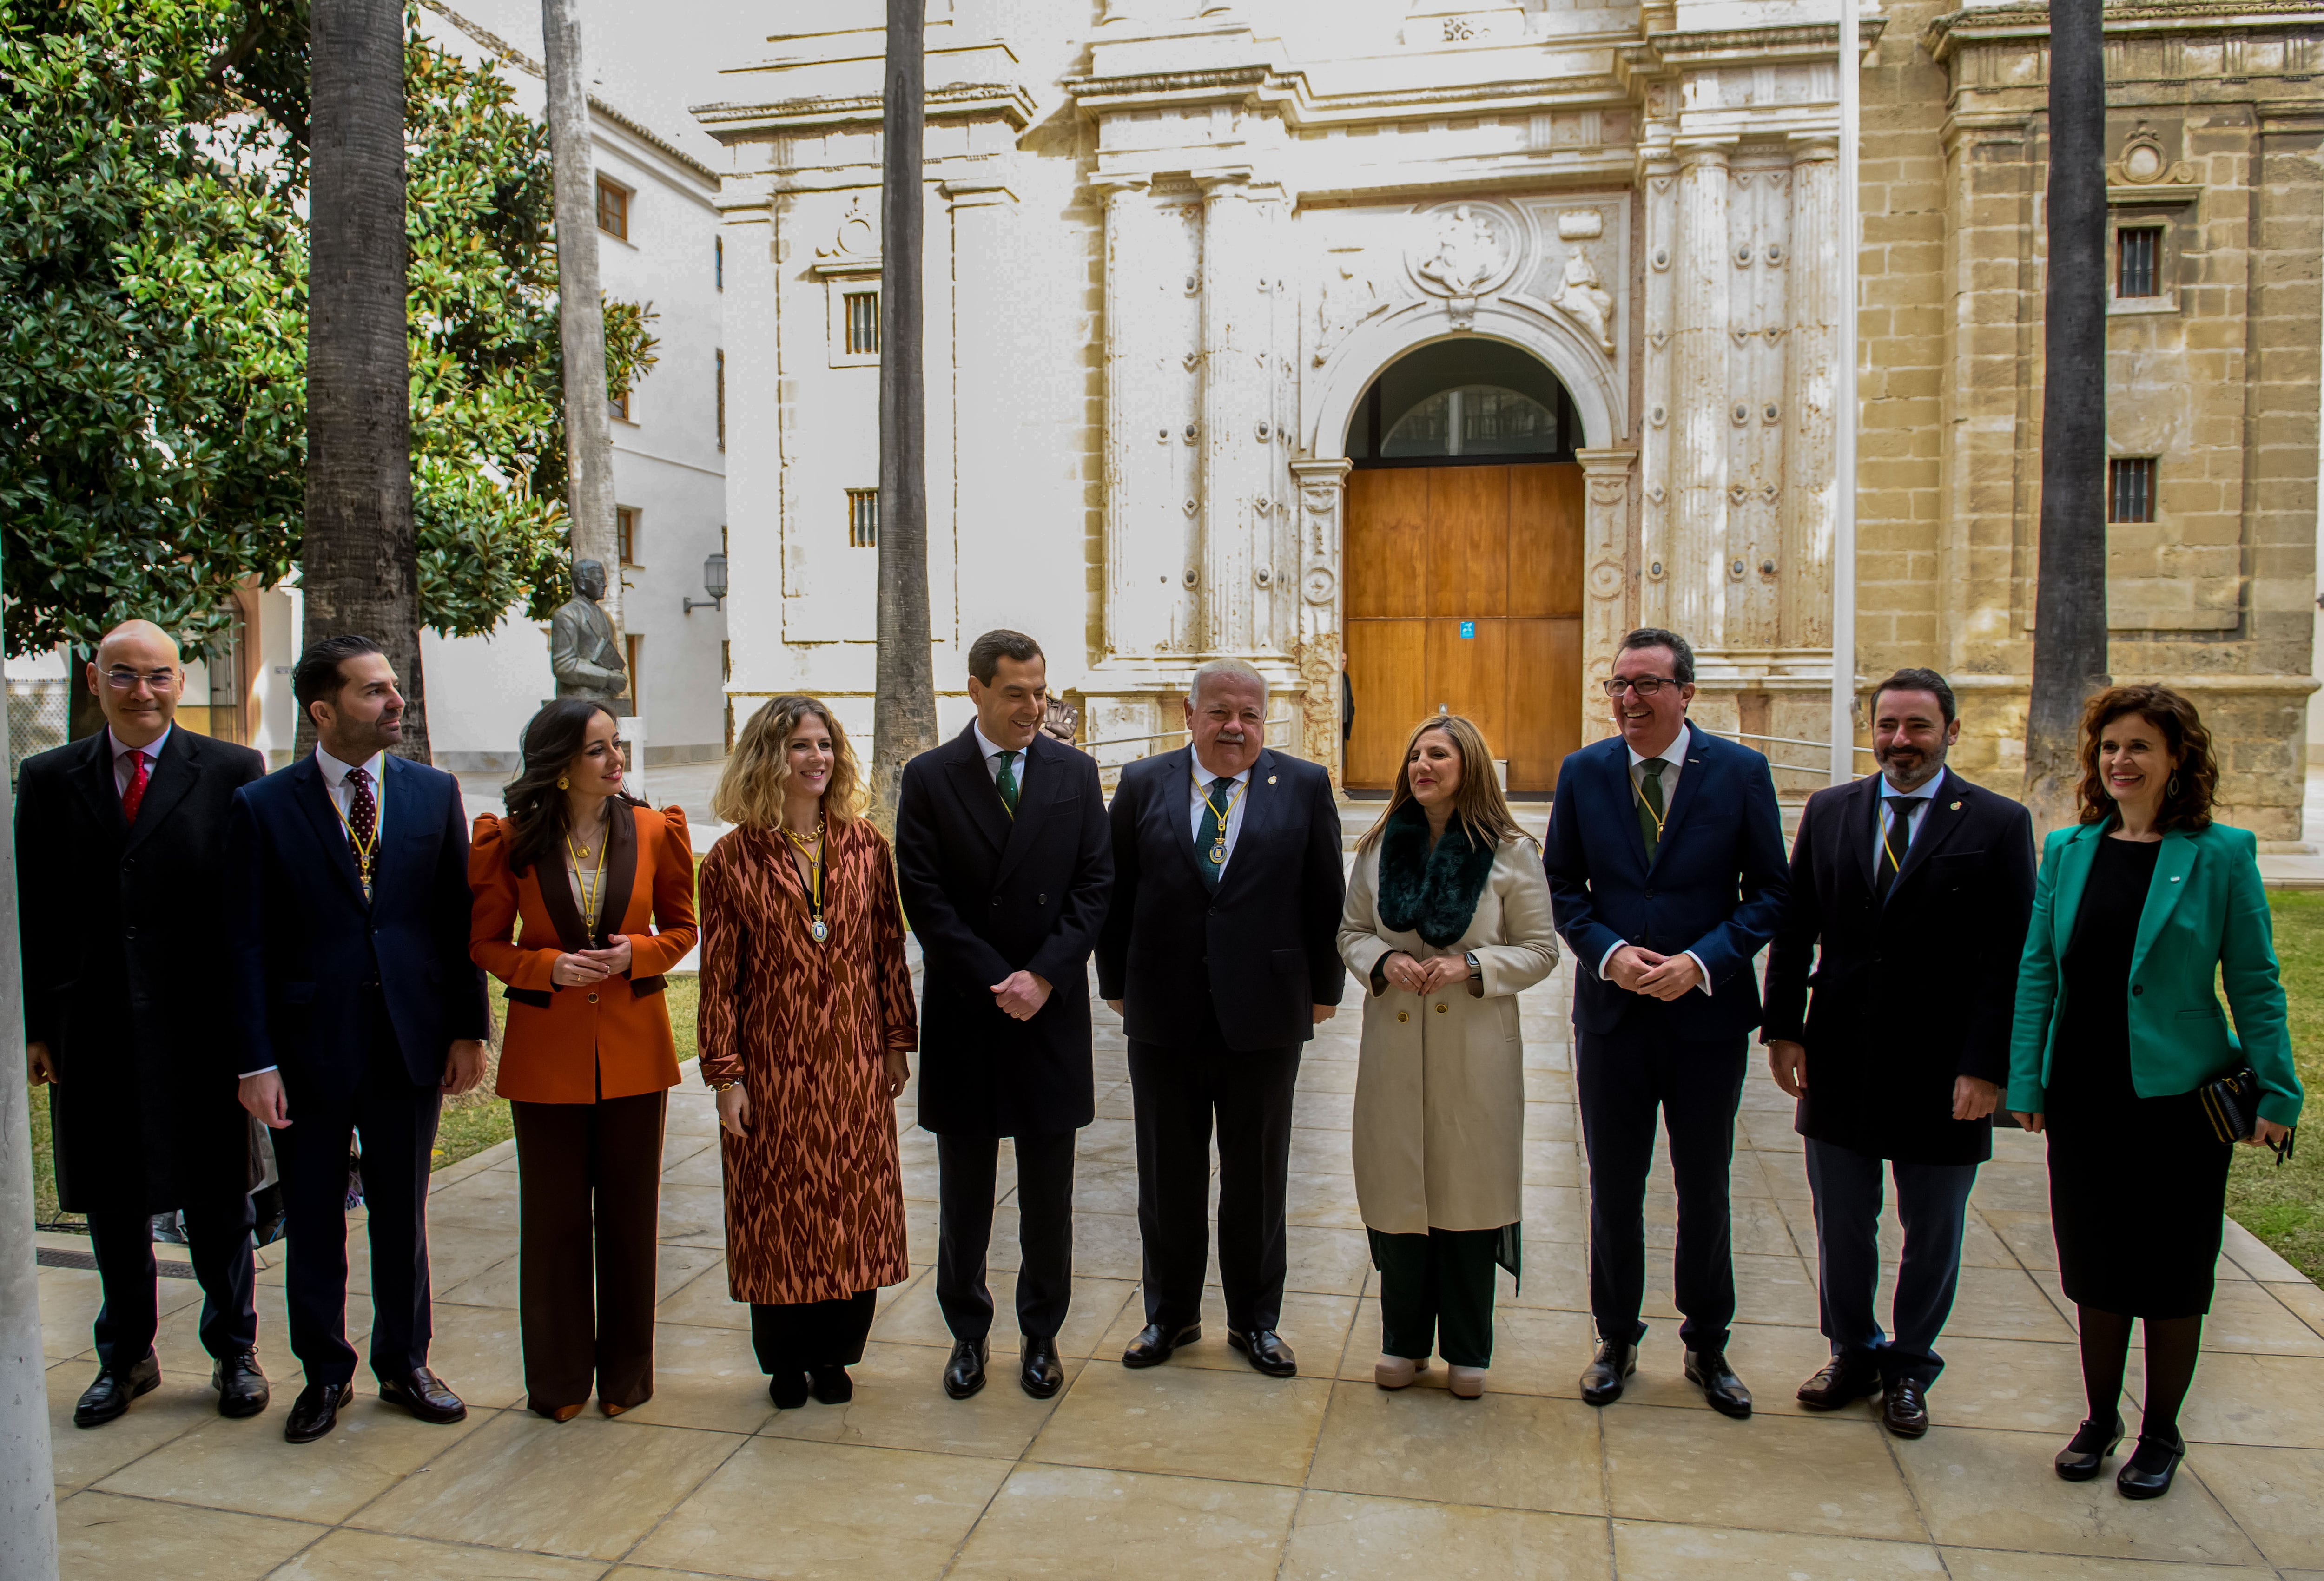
(174, 774)
(1690, 787)
(2173, 863)
(1863, 825)
(2073, 859)
(1259, 807)
(1625, 791)
(1947, 811)
(620, 879)
(314, 799)
(1178, 808)
(972, 780)
(1035, 792)
(92, 776)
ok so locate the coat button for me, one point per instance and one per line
(2137, 988)
(1403, 1015)
(593, 999)
(1040, 900)
(1439, 1007)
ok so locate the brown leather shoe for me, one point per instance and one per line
(1842, 1382)
(1905, 1409)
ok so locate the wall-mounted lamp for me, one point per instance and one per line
(714, 583)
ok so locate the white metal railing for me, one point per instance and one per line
(1824, 769)
(1176, 735)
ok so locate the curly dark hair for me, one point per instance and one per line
(537, 812)
(2186, 799)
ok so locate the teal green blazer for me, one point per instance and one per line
(2206, 920)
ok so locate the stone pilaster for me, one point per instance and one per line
(1141, 558)
(1318, 523)
(1605, 576)
(1655, 505)
(1238, 425)
(1810, 499)
(1700, 413)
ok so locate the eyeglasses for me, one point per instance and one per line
(1643, 685)
(121, 678)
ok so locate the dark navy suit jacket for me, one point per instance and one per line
(305, 944)
(1716, 886)
(1264, 949)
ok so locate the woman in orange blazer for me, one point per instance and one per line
(600, 889)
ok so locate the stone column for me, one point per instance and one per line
(1319, 522)
(1700, 402)
(1238, 418)
(1654, 506)
(1605, 577)
(1142, 535)
(1810, 499)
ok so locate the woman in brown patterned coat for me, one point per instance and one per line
(806, 1020)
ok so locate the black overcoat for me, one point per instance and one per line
(122, 971)
(988, 894)
(1908, 996)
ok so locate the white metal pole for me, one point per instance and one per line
(1843, 517)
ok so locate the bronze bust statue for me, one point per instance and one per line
(583, 654)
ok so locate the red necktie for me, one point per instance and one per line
(134, 797)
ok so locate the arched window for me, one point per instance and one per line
(1474, 419)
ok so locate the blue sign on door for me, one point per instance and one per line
(1468, 630)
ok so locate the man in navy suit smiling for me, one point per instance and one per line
(1667, 876)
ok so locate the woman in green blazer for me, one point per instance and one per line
(2138, 910)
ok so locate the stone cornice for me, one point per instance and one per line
(1994, 24)
(1749, 45)
(1289, 92)
(959, 101)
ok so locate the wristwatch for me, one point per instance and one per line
(1474, 969)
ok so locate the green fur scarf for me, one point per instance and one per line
(1430, 893)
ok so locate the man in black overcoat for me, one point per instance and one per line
(1002, 862)
(1221, 954)
(120, 845)
(1905, 876)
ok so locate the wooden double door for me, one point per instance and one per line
(1464, 596)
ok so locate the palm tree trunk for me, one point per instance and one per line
(580, 304)
(358, 567)
(904, 706)
(2070, 609)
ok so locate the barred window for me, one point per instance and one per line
(863, 519)
(862, 323)
(2130, 488)
(612, 209)
(625, 533)
(2138, 262)
(618, 403)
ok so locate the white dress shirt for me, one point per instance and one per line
(120, 756)
(1882, 834)
(1198, 787)
(1673, 759)
(993, 750)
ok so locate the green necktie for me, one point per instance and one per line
(1650, 803)
(1006, 780)
(1211, 845)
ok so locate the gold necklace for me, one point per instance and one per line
(590, 884)
(810, 848)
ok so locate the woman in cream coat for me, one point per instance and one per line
(1448, 920)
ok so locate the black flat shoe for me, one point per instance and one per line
(1155, 1343)
(1601, 1380)
(425, 1396)
(240, 1387)
(1042, 1374)
(1708, 1371)
(2088, 1450)
(316, 1411)
(2149, 1471)
(788, 1390)
(1841, 1383)
(964, 1373)
(1265, 1350)
(831, 1385)
(1905, 1409)
(110, 1395)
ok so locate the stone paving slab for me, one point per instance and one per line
(1203, 1469)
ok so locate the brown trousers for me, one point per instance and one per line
(590, 1178)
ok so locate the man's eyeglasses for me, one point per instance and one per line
(1643, 685)
(121, 678)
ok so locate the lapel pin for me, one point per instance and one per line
(1270, 779)
(1954, 808)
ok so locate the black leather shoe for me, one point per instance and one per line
(1708, 1371)
(110, 1395)
(1155, 1343)
(1265, 1351)
(964, 1374)
(316, 1411)
(1041, 1374)
(2147, 1473)
(1841, 1383)
(787, 1390)
(1905, 1408)
(1601, 1380)
(424, 1395)
(831, 1385)
(2088, 1450)
(240, 1387)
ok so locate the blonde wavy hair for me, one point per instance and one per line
(750, 791)
(1479, 806)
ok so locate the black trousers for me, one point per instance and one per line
(1178, 1093)
(1622, 1080)
(218, 1237)
(799, 1337)
(967, 1168)
(1436, 1293)
(590, 1181)
(397, 1124)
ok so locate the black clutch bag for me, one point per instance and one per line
(2231, 1103)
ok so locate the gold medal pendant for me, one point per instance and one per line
(1219, 854)
(818, 930)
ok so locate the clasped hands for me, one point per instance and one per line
(581, 968)
(1021, 994)
(1423, 977)
(262, 1095)
(1647, 972)
(1974, 1096)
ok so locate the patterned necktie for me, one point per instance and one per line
(1650, 803)
(1211, 845)
(1006, 780)
(134, 797)
(1896, 840)
(363, 823)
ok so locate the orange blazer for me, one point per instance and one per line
(612, 1040)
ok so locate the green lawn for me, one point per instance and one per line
(470, 1124)
(2284, 1206)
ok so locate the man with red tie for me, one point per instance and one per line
(359, 1010)
(120, 840)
